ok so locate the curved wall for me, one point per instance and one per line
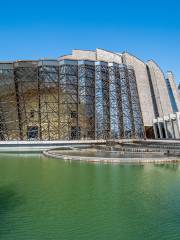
(143, 86)
(160, 89)
(68, 99)
(87, 95)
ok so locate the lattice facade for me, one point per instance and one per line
(68, 100)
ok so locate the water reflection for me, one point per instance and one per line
(54, 199)
(9, 200)
(170, 166)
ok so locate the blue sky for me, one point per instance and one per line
(38, 29)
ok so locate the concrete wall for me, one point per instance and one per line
(160, 89)
(167, 126)
(107, 56)
(170, 77)
(143, 87)
(84, 55)
(97, 55)
(152, 88)
(80, 55)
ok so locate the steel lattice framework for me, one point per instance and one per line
(48, 85)
(25, 78)
(86, 99)
(69, 99)
(102, 104)
(9, 124)
(116, 111)
(136, 109)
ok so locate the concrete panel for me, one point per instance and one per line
(84, 55)
(143, 87)
(107, 56)
(68, 57)
(160, 89)
(174, 89)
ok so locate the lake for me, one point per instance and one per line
(42, 198)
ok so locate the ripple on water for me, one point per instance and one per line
(52, 199)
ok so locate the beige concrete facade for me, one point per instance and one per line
(143, 87)
(174, 88)
(84, 55)
(107, 56)
(167, 126)
(160, 89)
(80, 55)
(151, 83)
(97, 55)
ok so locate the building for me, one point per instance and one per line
(86, 95)
(173, 92)
(179, 89)
(167, 127)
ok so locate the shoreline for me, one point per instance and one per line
(138, 160)
(126, 151)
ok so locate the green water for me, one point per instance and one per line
(52, 199)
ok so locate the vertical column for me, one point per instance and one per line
(115, 102)
(102, 125)
(128, 123)
(172, 126)
(165, 126)
(160, 129)
(119, 101)
(178, 122)
(173, 88)
(68, 85)
(26, 84)
(86, 92)
(155, 128)
(175, 126)
(9, 124)
(48, 87)
(136, 108)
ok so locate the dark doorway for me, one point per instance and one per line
(32, 133)
(163, 130)
(75, 133)
(157, 130)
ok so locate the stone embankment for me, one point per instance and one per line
(126, 152)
